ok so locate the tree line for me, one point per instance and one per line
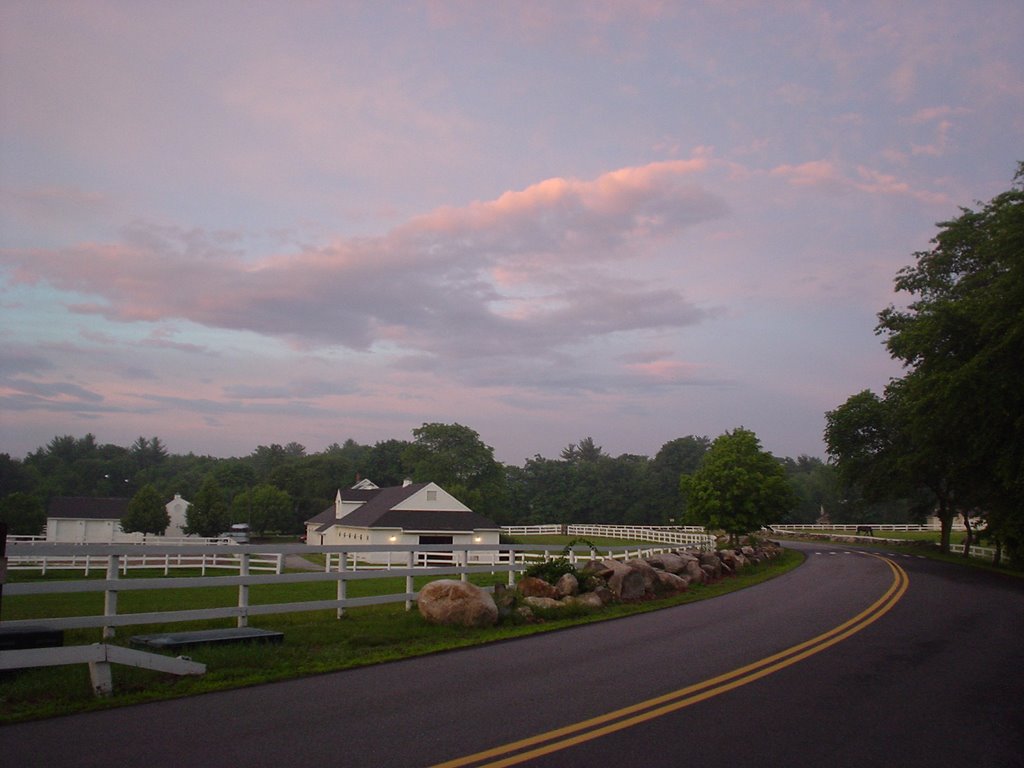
(279, 487)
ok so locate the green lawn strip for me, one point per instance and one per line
(315, 642)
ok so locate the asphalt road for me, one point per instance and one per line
(849, 660)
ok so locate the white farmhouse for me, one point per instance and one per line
(413, 513)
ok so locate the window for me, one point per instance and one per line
(431, 495)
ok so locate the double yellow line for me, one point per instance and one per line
(517, 752)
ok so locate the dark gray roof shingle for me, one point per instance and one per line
(86, 507)
(378, 512)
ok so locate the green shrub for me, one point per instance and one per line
(552, 570)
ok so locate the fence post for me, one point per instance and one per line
(342, 592)
(465, 564)
(110, 595)
(243, 590)
(410, 585)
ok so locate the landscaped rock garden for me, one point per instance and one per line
(557, 586)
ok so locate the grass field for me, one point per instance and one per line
(315, 642)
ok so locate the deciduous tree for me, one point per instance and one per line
(146, 513)
(265, 508)
(207, 515)
(23, 514)
(738, 487)
(960, 406)
(454, 457)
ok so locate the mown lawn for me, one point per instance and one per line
(315, 642)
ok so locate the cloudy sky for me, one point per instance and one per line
(231, 224)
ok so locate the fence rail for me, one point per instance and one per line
(135, 560)
(534, 530)
(690, 536)
(685, 535)
(854, 526)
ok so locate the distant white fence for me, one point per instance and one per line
(689, 536)
(684, 535)
(957, 526)
(135, 560)
(551, 529)
(822, 531)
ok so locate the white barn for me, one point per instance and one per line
(413, 513)
(87, 520)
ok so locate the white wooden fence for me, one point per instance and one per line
(684, 535)
(343, 563)
(957, 526)
(137, 559)
(689, 536)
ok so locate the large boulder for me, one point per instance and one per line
(593, 568)
(710, 560)
(670, 582)
(649, 573)
(567, 585)
(625, 583)
(728, 558)
(544, 603)
(531, 586)
(668, 561)
(694, 571)
(459, 603)
(587, 599)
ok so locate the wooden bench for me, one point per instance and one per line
(176, 640)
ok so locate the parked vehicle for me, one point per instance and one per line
(239, 532)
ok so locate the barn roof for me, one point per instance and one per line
(87, 507)
(378, 512)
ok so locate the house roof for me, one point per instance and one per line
(86, 507)
(378, 512)
(413, 520)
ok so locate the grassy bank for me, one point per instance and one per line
(315, 642)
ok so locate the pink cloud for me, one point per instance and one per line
(828, 176)
(437, 282)
(816, 173)
(932, 114)
(665, 370)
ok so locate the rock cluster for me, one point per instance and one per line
(603, 581)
